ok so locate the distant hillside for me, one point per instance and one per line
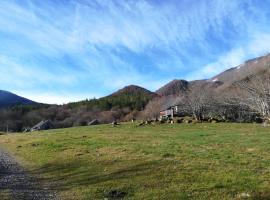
(133, 90)
(173, 87)
(253, 67)
(180, 87)
(132, 97)
(221, 82)
(8, 99)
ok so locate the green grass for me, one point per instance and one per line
(180, 161)
(5, 194)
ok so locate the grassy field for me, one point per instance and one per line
(187, 161)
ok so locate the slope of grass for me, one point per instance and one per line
(198, 161)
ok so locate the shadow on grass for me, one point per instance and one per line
(72, 174)
(65, 176)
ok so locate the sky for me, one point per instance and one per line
(59, 51)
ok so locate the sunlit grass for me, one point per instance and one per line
(5, 194)
(180, 161)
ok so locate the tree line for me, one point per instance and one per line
(122, 106)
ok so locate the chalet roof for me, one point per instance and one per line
(41, 123)
(94, 122)
(168, 108)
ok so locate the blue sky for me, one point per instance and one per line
(57, 51)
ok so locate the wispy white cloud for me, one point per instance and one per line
(102, 45)
(258, 46)
(230, 59)
(134, 24)
(19, 74)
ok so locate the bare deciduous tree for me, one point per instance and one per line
(229, 108)
(256, 94)
(198, 102)
(152, 109)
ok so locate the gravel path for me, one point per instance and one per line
(18, 185)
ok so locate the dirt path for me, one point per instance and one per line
(16, 184)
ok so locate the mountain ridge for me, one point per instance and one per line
(221, 81)
(224, 80)
(132, 89)
(9, 99)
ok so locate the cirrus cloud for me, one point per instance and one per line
(86, 47)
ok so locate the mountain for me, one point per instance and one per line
(254, 67)
(173, 87)
(179, 87)
(8, 99)
(223, 81)
(133, 90)
(132, 97)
